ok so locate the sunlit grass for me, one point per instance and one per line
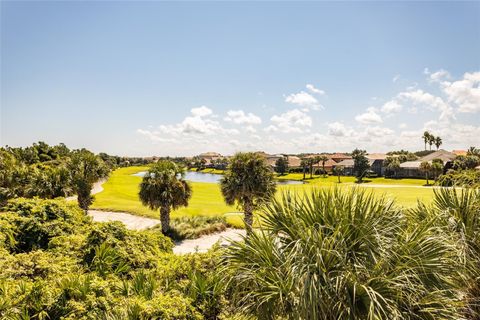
(121, 194)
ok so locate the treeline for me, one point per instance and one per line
(48, 171)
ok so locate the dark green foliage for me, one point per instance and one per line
(281, 165)
(164, 188)
(360, 164)
(461, 178)
(56, 264)
(249, 183)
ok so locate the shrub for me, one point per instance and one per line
(194, 227)
(338, 254)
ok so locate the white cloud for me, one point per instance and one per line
(270, 128)
(419, 97)
(396, 78)
(303, 99)
(439, 75)
(293, 120)
(369, 117)
(378, 131)
(250, 129)
(464, 93)
(402, 125)
(311, 88)
(240, 117)
(392, 106)
(201, 111)
(338, 129)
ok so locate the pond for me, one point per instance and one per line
(213, 177)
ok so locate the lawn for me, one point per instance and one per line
(121, 194)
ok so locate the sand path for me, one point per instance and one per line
(201, 244)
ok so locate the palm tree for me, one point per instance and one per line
(472, 151)
(431, 140)
(304, 165)
(323, 158)
(426, 167)
(85, 169)
(394, 165)
(249, 183)
(344, 254)
(164, 188)
(438, 142)
(338, 171)
(426, 138)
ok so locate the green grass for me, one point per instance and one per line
(328, 180)
(121, 194)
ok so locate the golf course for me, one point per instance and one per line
(120, 194)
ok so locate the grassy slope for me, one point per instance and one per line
(121, 194)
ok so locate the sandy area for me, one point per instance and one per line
(201, 244)
(131, 221)
(97, 188)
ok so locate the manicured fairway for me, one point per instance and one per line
(121, 194)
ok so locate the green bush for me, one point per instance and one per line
(193, 227)
(57, 264)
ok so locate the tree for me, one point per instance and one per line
(437, 168)
(360, 164)
(426, 167)
(249, 183)
(426, 138)
(164, 188)
(85, 169)
(431, 140)
(472, 151)
(281, 165)
(304, 165)
(338, 171)
(438, 142)
(393, 164)
(322, 159)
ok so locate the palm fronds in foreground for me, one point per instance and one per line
(333, 254)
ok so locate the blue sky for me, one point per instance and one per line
(155, 78)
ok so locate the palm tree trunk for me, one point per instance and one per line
(248, 216)
(426, 177)
(304, 173)
(165, 219)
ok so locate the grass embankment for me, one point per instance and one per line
(121, 194)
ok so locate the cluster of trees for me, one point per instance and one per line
(248, 182)
(463, 171)
(430, 139)
(307, 164)
(49, 172)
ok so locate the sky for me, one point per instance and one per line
(181, 78)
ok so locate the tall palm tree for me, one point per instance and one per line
(438, 142)
(426, 138)
(344, 254)
(304, 165)
(426, 167)
(249, 183)
(431, 141)
(164, 188)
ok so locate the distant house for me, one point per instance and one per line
(460, 152)
(210, 158)
(338, 157)
(375, 160)
(411, 169)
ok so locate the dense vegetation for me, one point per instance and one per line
(327, 254)
(56, 264)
